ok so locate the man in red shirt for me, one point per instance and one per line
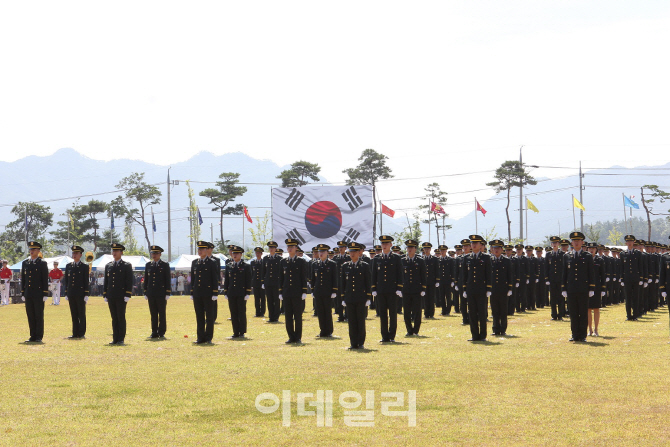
(55, 277)
(5, 277)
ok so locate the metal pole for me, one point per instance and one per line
(521, 197)
(381, 223)
(581, 198)
(574, 222)
(526, 222)
(476, 218)
(211, 232)
(243, 219)
(428, 221)
(623, 197)
(169, 247)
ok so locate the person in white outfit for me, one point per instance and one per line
(55, 277)
(5, 277)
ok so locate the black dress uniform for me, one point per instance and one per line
(554, 276)
(340, 259)
(271, 274)
(523, 270)
(664, 276)
(76, 286)
(257, 284)
(356, 292)
(502, 283)
(118, 285)
(204, 287)
(600, 275)
(578, 281)
(387, 281)
(324, 285)
(432, 278)
(414, 286)
(446, 279)
(531, 290)
(34, 287)
(511, 302)
(236, 287)
(293, 279)
(632, 277)
(157, 288)
(477, 282)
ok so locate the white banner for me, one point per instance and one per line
(322, 214)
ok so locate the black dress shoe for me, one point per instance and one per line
(384, 340)
(73, 337)
(571, 339)
(351, 347)
(289, 341)
(409, 334)
(361, 346)
(198, 342)
(154, 335)
(472, 339)
(298, 341)
(112, 343)
(120, 343)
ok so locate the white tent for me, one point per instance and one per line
(62, 262)
(138, 262)
(183, 262)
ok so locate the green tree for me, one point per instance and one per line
(371, 168)
(412, 231)
(39, 218)
(436, 195)
(593, 233)
(105, 242)
(80, 224)
(510, 174)
(260, 234)
(228, 190)
(615, 237)
(299, 173)
(647, 202)
(130, 242)
(140, 196)
(194, 229)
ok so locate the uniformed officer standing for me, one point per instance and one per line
(271, 273)
(257, 282)
(631, 277)
(511, 302)
(293, 279)
(204, 293)
(237, 288)
(467, 248)
(414, 287)
(117, 290)
(387, 286)
(356, 294)
(523, 269)
(157, 290)
(76, 284)
(432, 279)
(554, 278)
(540, 275)
(532, 278)
(324, 289)
(664, 276)
(340, 258)
(446, 280)
(477, 285)
(35, 290)
(502, 283)
(578, 285)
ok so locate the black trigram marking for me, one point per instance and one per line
(295, 234)
(352, 198)
(351, 236)
(294, 199)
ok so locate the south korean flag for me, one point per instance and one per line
(322, 214)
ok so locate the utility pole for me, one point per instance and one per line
(581, 198)
(169, 219)
(521, 197)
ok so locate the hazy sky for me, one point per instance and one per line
(440, 87)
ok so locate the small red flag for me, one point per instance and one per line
(246, 214)
(388, 211)
(481, 208)
(436, 208)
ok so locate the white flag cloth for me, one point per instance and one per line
(322, 214)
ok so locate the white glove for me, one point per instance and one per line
(280, 297)
(146, 297)
(591, 293)
(547, 283)
(191, 297)
(465, 294)
(45, 298)
(374, 293)
(66, 298)
(126, 299)
(262, 286)
(304, 295)
(509, 293)
(622, 283)
(85, 299)
(452, 284)
(167, 297)
(399, 293)
(649, 281)
(607, 280)
(344, 304)
(215, 297)
(517, 285)
(23, 298)
(528, 281)
(664, 294)
(367, 303)
(225, 297)
(602, 293)
(333, 295)
(657, 281)
(246, 297)
(646, 285)
(105, 300)
(565, 294)
(456, 288)
(537, 280)
(640, 283)
(488, 294)
(437, 284)
(422, 294)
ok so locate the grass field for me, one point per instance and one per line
(534, 388)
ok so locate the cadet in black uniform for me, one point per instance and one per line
(432, 279)
(340, 258)
(554, 278)
(76, 286)
(595, 302)
(35, 290)
(237, 288)
(271, 273)
(631, 276)
(446, 280)
(523, 269)
(117, 290)
(532, 277)
(477, 285)
(540, 276)
(414, 287)
(157, 290)
(664, 276)
(511, 302)
(387, 286)
(257, 282)
(324, 289)
(502, 283)
(578, 285)
(293, 279)
(204, 293)
(356, 294)
(465, 243)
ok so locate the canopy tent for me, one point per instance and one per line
(62, 262)
(138, 262)
(183, 262)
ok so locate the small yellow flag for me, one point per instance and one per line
(576, 204)
(530, 206)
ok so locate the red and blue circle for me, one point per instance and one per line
(323, 219)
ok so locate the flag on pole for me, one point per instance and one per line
(388, 211)
(530, 206)
(481, 209)
(577, 204)
(112, 215)
(246, 214)
(629, 202)
(199, 217)
(153, 221)
(437, 208)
